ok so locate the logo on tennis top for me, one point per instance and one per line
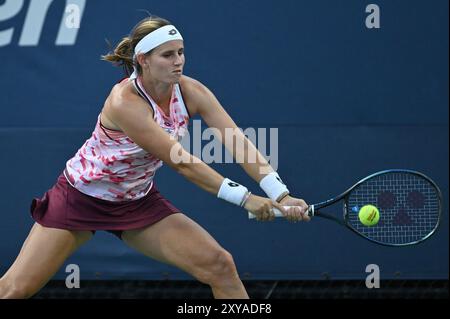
(173, 32)
(233, 184)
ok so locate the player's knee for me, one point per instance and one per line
(15, 289)
(219, 268)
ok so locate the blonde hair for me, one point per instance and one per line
(122, 55)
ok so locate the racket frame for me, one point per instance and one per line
(314, 209)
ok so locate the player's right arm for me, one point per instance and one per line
(135, 118)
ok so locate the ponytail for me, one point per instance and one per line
(122, 55)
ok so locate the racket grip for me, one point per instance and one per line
(279, 214)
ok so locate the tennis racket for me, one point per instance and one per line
(409, 203)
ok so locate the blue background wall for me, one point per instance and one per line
(348, 101)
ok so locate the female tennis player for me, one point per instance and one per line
(109, 183)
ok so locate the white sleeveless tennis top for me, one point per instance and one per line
(112, 167)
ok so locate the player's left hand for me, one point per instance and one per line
(299, 211)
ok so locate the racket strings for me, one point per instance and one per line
(409, 207)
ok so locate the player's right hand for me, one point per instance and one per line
(262, 207)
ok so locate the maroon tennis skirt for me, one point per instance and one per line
(64, 207)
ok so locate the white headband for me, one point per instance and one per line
(153, 40)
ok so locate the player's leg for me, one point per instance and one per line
(179, 241)
(42, 254)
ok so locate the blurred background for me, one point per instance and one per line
(348, 100)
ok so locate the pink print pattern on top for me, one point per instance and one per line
(110, 166)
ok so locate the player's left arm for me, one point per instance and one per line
(203, 102)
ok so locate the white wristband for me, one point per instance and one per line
(273, 186)
(232, 192)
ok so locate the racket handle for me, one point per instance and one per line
(279, 214)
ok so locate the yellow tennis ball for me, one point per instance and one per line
(369, 215)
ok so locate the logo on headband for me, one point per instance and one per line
(173, 32)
